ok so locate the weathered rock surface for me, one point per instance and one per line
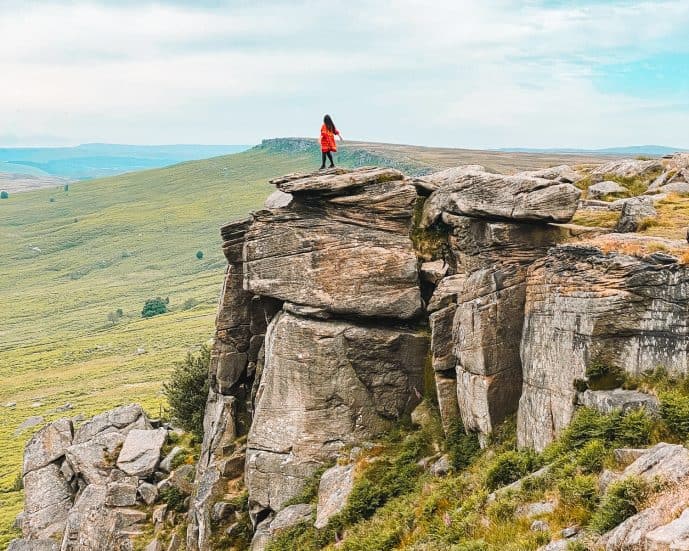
(606, 188)
(343, 266)
(33, 545)
(140, 452)
(606, 401)
(561, 173)
(348, 384)
(494, 196)
(430, 183)
(584, 306)
(634, 211)
(631, 534)
(48, 499)
(92, 525)
(47, 445)
(121, 419)
(94, 459)
(333, 490)
(626, 168)
(73, 488)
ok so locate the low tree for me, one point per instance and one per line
(114, 317)
(199, 254)
(154, 307)
(66, 187)
(187, 390)
(4, 194)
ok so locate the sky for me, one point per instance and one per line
(455, 73)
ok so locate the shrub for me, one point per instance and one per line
(384, 480)
(174, 497)
(154, 307)
(509, 467)
(591, 457)
(674, 409)
(579, 491)
(189, 303)
(623, 499)
(199, 254)
(113, 317)
(4, 195)
(52, 199)
(621, 429)
(461, 447)
(187, 390)
(66, 188)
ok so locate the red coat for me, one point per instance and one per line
(328, 139)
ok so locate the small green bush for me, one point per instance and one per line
(114, 317)
(66, 188)
(174, 497)
(52, 199)
(462, 448)
(386, 479)
(591, 457)
(154, 307)
(674, 409)
(633, 428)
(622, 499)
(509, 467)
(4, 195)
(579, 491)
(187, 390)
(199, 254)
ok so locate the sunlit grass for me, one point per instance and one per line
(104, 245)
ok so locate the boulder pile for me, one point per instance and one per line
(86, 486)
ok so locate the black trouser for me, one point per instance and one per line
(330, 157)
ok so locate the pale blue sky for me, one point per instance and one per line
(467, 73)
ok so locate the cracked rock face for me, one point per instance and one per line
(349, 255)
(583, 306)
(326, 384)
(495, 196)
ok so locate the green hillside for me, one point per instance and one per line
(68, 259)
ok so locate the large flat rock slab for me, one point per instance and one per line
(140, 453)
(494, 196)
(335, 182)
(342, 267)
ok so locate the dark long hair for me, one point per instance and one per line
(329, 124)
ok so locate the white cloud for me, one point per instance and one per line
(476, 73)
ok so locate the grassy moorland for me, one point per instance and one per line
(70, 259)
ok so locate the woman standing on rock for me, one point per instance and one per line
(328, 145)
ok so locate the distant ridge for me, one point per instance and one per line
(652, 150)
(95, 160)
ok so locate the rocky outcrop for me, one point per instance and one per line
(585, 307)
(662, 524)
(495, 196)
(326, 384)
(634, 211)
(626, 168)
(322, 342)
(338, 356)
(85, 488)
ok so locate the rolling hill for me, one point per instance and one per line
(69, 258)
